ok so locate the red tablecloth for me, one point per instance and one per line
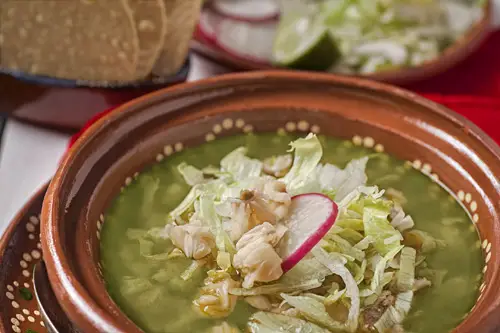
(472, 88)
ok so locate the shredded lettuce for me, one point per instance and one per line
(266, 322)
(353, 176)
(208, 215)
(240, 166)
(276, 288)
(377, 282)
(376, 223)
(389, 319)
(192, 176)
(406, 273)
(336, 266)
(314, 311)
(308, 153)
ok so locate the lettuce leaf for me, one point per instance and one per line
(376, 224)
(208, 215)
(406, 273)
(314, 311)
(240, 166)
(336, 266)
(266, 322)
(192, 176)
(378, 280)
(214, 188)
(276, 288)
(308, 153)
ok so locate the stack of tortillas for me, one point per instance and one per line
(97, 40)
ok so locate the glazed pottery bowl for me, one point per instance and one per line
(440, 143)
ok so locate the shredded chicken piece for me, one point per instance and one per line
(266, 233)
(241, 220)
(259, 302)
(215, 300)
(256, 257)
(195, 241)
(224, 328)
(278, 198)
(278, 166)
(269, 202)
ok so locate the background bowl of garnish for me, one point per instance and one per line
(397, 41)
(154, 162)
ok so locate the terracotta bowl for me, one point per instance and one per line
(152, 127)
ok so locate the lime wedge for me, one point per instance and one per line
(302, 43)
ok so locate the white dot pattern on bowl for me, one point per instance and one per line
(290, 126)
(247, 128)
(168, 150)
(217, 128)
(315, 129)
(19, 292)
(209, 137)
(239, 123)
(159, 158)
(303, 125)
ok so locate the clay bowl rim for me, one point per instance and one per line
(78, 300)
(13, 225)
(462, 48)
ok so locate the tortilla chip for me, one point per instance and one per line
(182, 17)
(151, 24)
(77, 39)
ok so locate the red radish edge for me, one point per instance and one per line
(301, 251)
(232, 51)
(267, 14)
(205, 24)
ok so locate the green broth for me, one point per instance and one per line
(163, 301)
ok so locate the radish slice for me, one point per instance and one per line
(251, 41)
(208, 24)
(247, 10)
(312, 215)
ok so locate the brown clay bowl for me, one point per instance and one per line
(450, 57)
(20, 251)
(142, 131)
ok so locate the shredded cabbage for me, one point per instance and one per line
(313, 310)
(376, 223)
(192, 176)
(266, 322)
(240, 166)
(308, 153)
(336, 266)
(406, 273)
